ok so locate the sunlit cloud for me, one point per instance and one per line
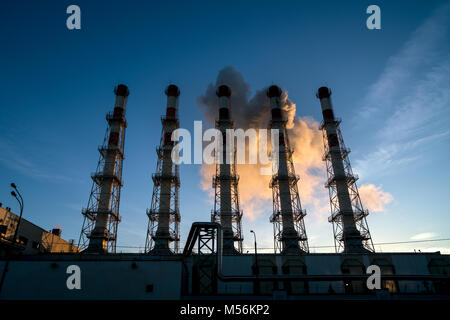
(424, 236)
(305, 139)
(374, 198)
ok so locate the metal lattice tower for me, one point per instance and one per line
(101, 216)
(287, 218)
(164, 214)
(225, 182)
(351, 232)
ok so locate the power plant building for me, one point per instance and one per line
(31, 239)
(211, 264)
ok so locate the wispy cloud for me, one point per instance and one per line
(421, 51)
(374, 198)
(424, 236)
(411, 98)
(12, 159)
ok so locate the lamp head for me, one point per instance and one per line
(13, 185)
(13, 193)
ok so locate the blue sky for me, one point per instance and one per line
(391, 87)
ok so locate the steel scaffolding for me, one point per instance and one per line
(174, 212)
(359, 213)
(236, 213)
(297, 212)
(164, 214)
(107, 183)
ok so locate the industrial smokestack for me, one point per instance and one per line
(289, 229)
(226, 204)
(172, 93)
(102, 213)
(223, 93)
(164, 216)
(348, 216)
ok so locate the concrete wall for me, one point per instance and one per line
(134, 276)
(398, 263)
(100, 279)
(324, 264)
(237, 265)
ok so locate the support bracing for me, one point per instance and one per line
(351, 232)
(101, 216)
(288, 216)
(225, 182)
(164, 215)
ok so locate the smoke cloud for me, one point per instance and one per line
(374, 198)
(305, 139)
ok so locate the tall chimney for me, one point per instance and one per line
(348, 216)
(101, 216)
(289, 228)
(164, 216)
(225, 182)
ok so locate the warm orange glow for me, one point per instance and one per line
(307, 142)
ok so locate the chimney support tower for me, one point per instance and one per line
(225, 182)
(164, 215)
(287, 218)
(351, 232)
(101, 216)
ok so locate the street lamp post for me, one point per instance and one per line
(16, 194)
(256, 249)
(256, 264)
